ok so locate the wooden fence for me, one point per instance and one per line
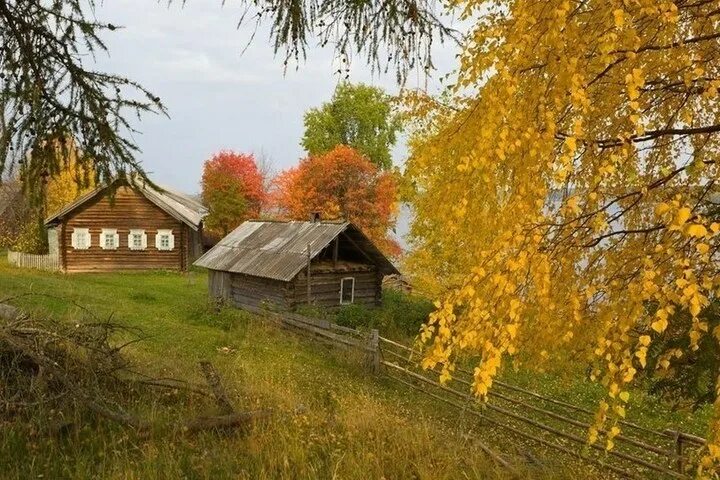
(537, 420)
(327, 332)
(28, 260)
(530, 419)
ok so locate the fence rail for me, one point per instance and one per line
(528, 417)
(327, 332)
(28, 260)
(639, 452)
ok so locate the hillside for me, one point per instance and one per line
(352, 425)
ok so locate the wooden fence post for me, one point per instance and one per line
(374, 346)
(679, 452)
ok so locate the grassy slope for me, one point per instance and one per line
(355, 425)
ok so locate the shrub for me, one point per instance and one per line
(400, 314)
(403, 313)
(691, 377)
(355, 316)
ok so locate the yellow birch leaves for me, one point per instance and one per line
(564, 192)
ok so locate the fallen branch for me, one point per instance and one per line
(213, 380)
(241, 420)
(50, 365)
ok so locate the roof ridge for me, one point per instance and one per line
(166, 200)
(279, 249)
(278, 220)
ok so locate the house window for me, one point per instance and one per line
(164, 240)
(109, 239)
(80, 238)
(347, 290)
(137, 240)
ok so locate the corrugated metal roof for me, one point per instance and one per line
(178, 205)
(279, 250)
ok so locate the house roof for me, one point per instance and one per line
(279, 250)
(178, 205)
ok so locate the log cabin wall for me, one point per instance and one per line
(325, 287)
(128, 210)
(195, 244)
(257, 291)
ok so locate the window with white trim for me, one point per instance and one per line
(347, 290)
(164, 240)
(109, 239)
(80, 238)
(137, 239)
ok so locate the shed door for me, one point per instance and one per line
(347, 290)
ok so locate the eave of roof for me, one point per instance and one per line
(279, 250)
(168, 201)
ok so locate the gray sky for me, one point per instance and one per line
(218, 98)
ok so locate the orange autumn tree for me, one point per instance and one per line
(232, 190)
(341, 184)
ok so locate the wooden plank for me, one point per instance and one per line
(129, 210)
(543, 398)
(316, 326)
(539, 425)
(520, 433)
(556, 416)
(49, 262)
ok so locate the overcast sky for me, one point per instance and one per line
(217, 97)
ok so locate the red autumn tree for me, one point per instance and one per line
(232, 190)
(341, 184)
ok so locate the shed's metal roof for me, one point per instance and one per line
(279, 250)
(178, 205)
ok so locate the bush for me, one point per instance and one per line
(355, 316)
(692, 377)
(403, 313)
(400, 315)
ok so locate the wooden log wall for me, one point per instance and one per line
(129, 210)
(325, 287)
(256, 291)
(219, 284)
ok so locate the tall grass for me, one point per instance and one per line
(351, 425)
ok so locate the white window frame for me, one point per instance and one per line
(171, 240)
(104, 233)
(85, 235)
(352, 290)
(131, 239)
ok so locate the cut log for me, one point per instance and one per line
(213, 379)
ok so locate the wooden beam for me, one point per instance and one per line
(309, 258)
(359, 249)
(336, 247)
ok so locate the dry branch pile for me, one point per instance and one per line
(76, 372)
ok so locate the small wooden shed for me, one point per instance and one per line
(137, 227)
(291, 263)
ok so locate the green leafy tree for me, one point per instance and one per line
(359, 116)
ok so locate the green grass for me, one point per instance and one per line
(644, 409)
(353, 425)
(401, 315)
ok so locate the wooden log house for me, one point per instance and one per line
(128, 225)
(286, 264)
